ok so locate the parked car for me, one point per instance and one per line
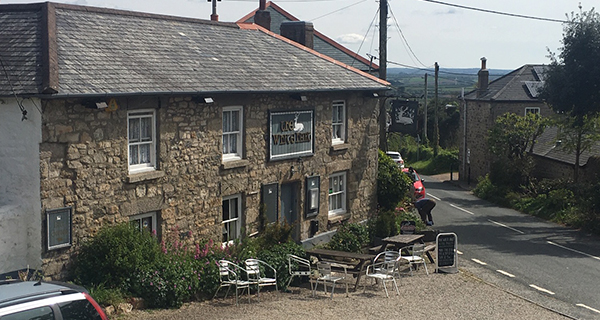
(47, 301)
(396, 157)
(417, 182)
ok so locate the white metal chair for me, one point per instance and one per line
(231, 275)
(385, 270)
(386, 256)
(326, 275)
(257, 275)
(416, 256)
(298, 267)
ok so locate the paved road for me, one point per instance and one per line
(546, 263)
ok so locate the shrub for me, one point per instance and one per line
(113, 255)
(392, 184)
(107, 296)
(384, 225)
(276, 256)
(350, 237)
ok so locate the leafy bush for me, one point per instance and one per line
(392, 184)
(350, 237)
(113, 255)
(276, 256)
(107, 296)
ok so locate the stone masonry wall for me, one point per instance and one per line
(83, 164)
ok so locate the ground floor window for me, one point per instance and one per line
(337, 193)
(145, 221)
(232, 214)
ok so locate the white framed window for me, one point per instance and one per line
(232, 133)
(141, 135)
(534, 110)
(338, 122)
(337, 193)
(232, 218)
(144, 221)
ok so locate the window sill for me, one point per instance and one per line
(333, 219)
(145, 176)
(339, 147)
(234, 164)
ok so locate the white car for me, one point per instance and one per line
(396, 157)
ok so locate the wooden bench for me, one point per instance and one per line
(355, 263)
(428, 249)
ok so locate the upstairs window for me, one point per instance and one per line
(141, 140)
(338, 122)
(232, 133)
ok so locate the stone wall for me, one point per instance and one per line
(83, 160)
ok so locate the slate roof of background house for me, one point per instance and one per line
(322, 43)
(546, 146)
(103, 51)
(519, 85)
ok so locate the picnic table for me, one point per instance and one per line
(356, 263)
(402, 240)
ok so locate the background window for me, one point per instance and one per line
(232, 213)
(534, 110)
(146, 221)
(337, 193)
(339, 122)
(232, 133)
(142, 150)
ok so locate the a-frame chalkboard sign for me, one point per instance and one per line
(446, 253)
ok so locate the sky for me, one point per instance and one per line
(420, 32)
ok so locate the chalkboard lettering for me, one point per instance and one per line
(446, 244)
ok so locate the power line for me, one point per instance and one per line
(403, 38)
(338, 10)
(495, 12)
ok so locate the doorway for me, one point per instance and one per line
(289, 207)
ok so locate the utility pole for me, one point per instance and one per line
(383, 13)
(436, 128)
(425, 112)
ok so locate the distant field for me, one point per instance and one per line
(450, 81)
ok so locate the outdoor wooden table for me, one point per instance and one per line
(357, 262)
(400, 240)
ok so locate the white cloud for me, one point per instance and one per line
(350, 38)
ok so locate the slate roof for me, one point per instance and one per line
(322, 43)
(547, 147)
(81, 51)
(20, 52)
(521, 84)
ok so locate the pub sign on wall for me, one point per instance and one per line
(291, 134)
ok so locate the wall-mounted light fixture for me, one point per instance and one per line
(201, 99)
(95, 104)
(372, 95)
(299, 97)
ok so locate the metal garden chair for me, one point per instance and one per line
(231, 275)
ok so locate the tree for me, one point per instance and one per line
(511, 141)
(572, 81)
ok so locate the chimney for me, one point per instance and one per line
(262, 17)
(483, 78)
(299, 31)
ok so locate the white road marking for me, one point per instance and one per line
(432, 196)
(505, 226)
(510, 275)
(461, 209)
(541, 289)
(480, 262)
(577, 251)
(589, 308)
